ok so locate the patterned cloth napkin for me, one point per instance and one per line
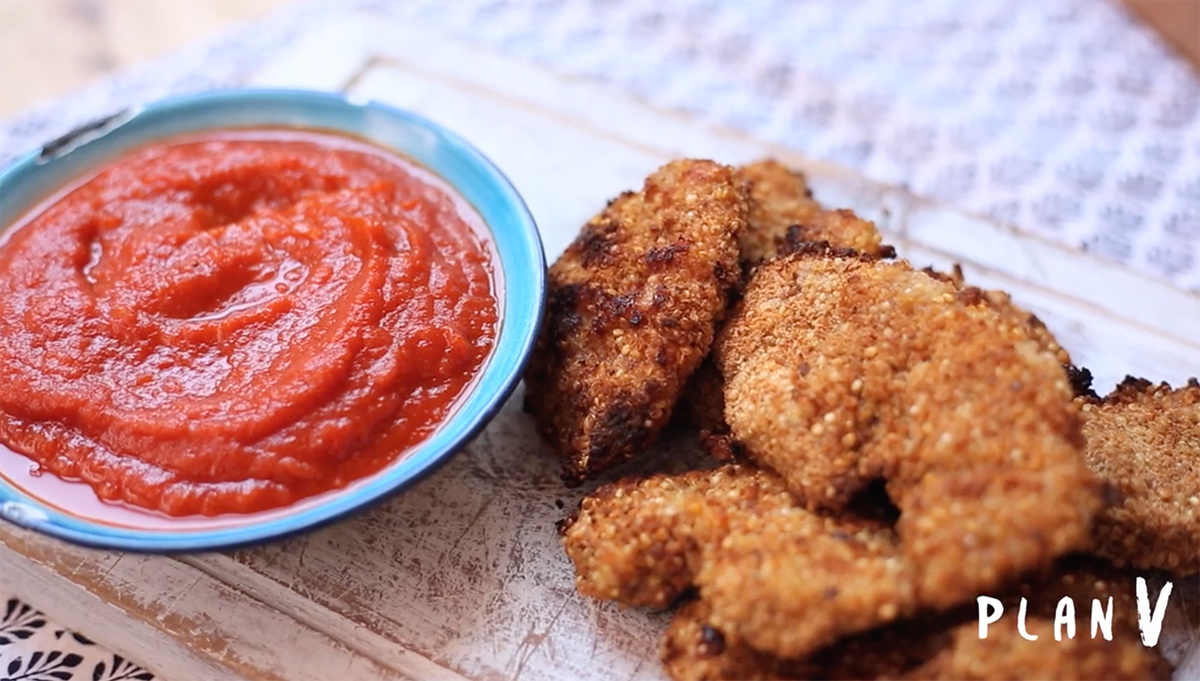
(1066, 119)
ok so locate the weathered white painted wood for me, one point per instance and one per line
(462, 575)
(174, 620)
(465, 568)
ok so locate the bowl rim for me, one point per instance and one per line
(518, 325)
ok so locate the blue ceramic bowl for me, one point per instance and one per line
(514, 234)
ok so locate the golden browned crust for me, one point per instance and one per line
(779, 198)
(631, 312)
(782, 218)
(792, 581)
(692, 649)
(638, 542)
(843, 370)
(1005, 655)
(1003, 304)
(839, 229)
(780, 577)
(946, 646)
(782, 211)
(1143, 440)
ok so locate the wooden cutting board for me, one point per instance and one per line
(462, 576)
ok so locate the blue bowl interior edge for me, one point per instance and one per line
(514, 235)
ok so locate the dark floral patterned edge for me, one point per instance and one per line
(33, 648)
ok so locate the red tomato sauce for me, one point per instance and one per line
(233, 322)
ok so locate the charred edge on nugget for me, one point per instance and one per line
(798, 239)
(795, 245)
(1081, 381)
(1132, 388)
(561, 320)
(564, 524)
(621, 427)
(664, 255)
(971, 295)
(562, 313)
(596, 243)
(1038, 326)
(955, 276)
(623, 195)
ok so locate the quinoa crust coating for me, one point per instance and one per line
(781, 577)
(844, 370)
(782, 217)
(1144, 441)
(633, 303)
(779, 198)
(783, 211)
(1005, 655)
(692, 649)
(942, 646)
(1003, 304)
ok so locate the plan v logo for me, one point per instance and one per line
(1150, 623)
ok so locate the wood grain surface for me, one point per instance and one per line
(1178, 21)
(462, 576)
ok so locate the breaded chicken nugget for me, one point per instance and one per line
(1005, 655)
(776, 575)
(779, 198)
(782, 211)
(782, 217)
(638, 542)
(1144, 441)
(793, 581)
(843, 370)
(692, 649)
(943, 646)
(840, 230)
(631, 312)
(1002, 303)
